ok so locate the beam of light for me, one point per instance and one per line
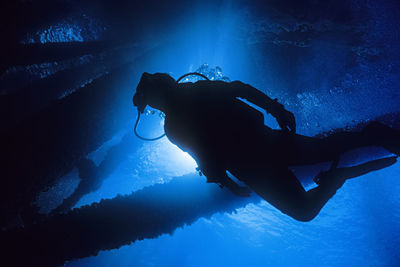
(165, 159)
(153, 163)
(209, 34)
(183, 159)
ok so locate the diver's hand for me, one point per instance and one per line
(284, 117)
(138, 101)
(287, 121)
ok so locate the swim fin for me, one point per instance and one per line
(355, 171)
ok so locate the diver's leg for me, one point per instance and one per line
(285, 192)
(309, 150)
(384, 136)
(282, 189)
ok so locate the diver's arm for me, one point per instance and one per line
(242, 191)
(223, 180)
(254, 95)
(284, 117)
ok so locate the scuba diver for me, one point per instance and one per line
(223, 133)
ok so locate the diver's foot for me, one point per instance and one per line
(326, 176)
(388, 137)
(393, 149)
(393, 145)
(342, 174)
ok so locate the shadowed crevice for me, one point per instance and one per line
(112, 223)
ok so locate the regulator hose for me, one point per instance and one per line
(192, 73)
(141, 137)
(138, 116)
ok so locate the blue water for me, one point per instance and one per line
(358, 227)
(330, 69)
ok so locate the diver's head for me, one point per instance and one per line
(153, 90)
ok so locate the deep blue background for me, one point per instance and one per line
(332, 63)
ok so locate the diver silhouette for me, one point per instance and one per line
(223, 133)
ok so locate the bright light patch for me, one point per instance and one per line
(165, 159)
(182, 158)
(153, 163)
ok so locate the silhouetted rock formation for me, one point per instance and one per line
(112, 223)
(40, 150)
(92, 176)
(28, 54)
(147, 213)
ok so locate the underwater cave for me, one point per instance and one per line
(79, 188)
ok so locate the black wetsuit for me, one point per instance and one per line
(212, 125)
(222, 133)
